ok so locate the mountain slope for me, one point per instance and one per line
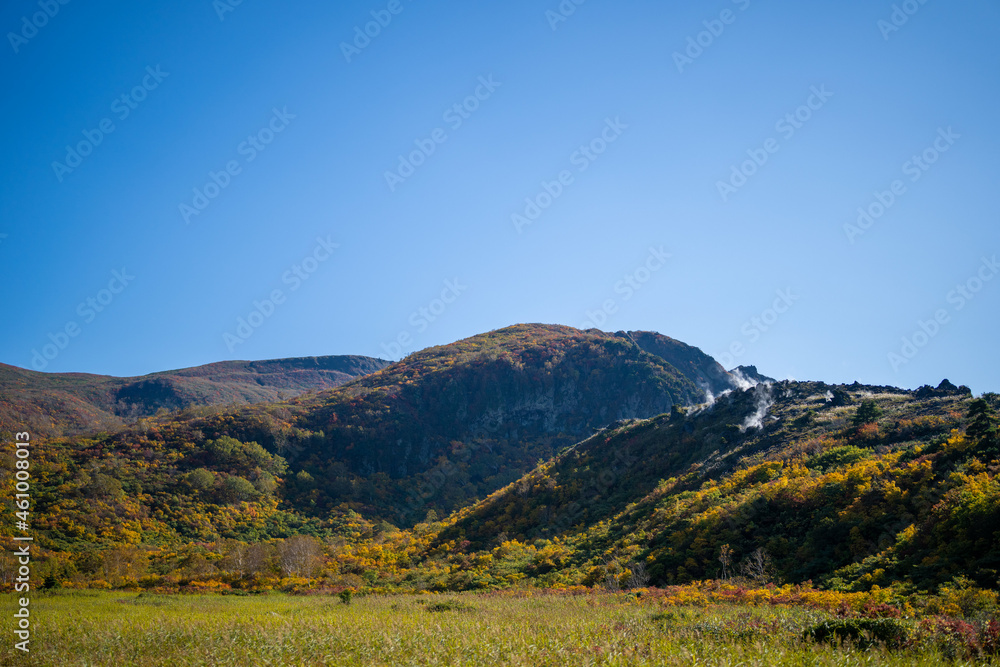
(598, 460)
(697, 366)
(851, 486)
(69, 403)
(456, 422)
(437, 431)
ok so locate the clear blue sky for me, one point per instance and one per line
(606, 78)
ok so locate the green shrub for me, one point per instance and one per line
(838, 457)
(961, 597)
(862, 632)
(449, 605)
(805, 419)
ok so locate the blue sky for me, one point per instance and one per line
(610, 118)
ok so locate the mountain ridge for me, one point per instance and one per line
(557, 457)
(55, 404)
(538, 386)
(853, 486)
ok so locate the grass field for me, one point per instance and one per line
(101, 628)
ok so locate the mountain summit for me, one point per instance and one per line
(481, 411)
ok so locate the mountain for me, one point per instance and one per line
(703, 370)
(850, 486)
(54, 404)
(536, 454)
(453, 423)
(436, 431)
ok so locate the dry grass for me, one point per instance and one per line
(121, 629)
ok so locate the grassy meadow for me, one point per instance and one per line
(115, 628)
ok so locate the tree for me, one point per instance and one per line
(638, 576)
(248, 455)
(234, 557)
(726, 558)
(305, 480)
(612, 571)
(121, 565)
(758, 567)
(265, 483)
(105, 487)
(867, 413)
(982, 421)
(238, 489)
(201, 479)
(225, 448)
(258, 558)
(196, 565)
(244, 559)
(300, 556)
(8, 568)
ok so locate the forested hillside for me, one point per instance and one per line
(440, 430)
(846, 486)
(534, 455)
(54, 404)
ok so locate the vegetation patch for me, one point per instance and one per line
(862, 632)
(449, 605)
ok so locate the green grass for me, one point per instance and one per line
(120, 629)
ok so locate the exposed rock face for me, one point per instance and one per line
(946, 388)
(750, 373)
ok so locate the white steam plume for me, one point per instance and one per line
(742, 383)
(763, 401)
